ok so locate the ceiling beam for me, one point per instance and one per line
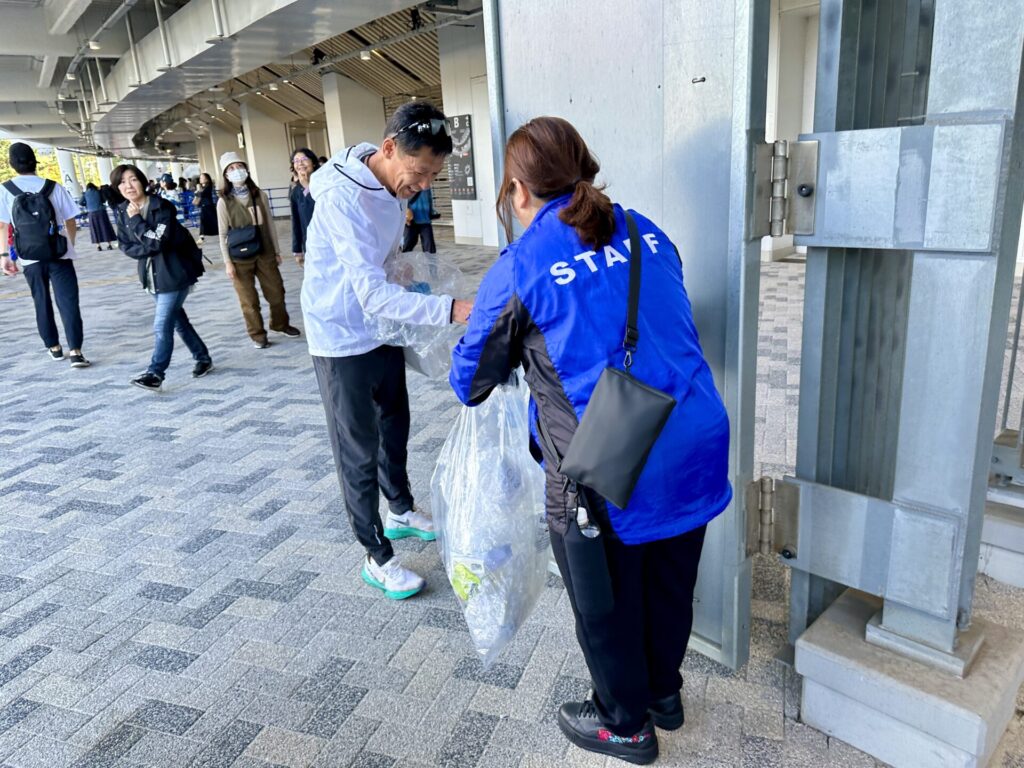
(62, 15)
(38, 132)
(19, 90)
(46, 70)
(26, 113)
(24, 33)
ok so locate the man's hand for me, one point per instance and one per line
(230, 269)
(460, 310)
(279, 259)
(300, 258)
(9, 266)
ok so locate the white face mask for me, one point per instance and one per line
(237, 175)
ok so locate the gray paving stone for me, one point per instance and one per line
(21, 662)
(468, 741)
(167, 593)
(111, 747)
(229, 744)
(16, 711)
(328, 716)
(499, 673)
(163, 659)
(162, 716)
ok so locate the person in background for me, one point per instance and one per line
(56, 270)
(100, 230)
(169, 189)
(169, 264)
(555, 301)
(304, 162)
(207, 208)
(418, 222)
(356, 226)
(187, 196)
(243, 205)
(323, 160)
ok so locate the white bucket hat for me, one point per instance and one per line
(230, 157)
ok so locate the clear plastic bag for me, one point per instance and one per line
(487, 497)
(428, 348)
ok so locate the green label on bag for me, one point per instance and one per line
(464, 581)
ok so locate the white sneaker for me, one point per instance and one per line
(392, 578)
(412, 522)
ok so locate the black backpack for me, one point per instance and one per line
(36, 229)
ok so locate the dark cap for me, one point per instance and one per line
(21, 153)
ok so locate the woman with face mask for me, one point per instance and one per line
(304, 162)
(249, 247)
(170, 263)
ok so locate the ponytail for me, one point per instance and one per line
(590, 213)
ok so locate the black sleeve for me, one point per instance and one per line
(297, 228)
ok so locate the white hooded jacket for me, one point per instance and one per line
(357, 224)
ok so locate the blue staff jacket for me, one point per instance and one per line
(558, 307)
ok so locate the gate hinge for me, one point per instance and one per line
(773, 516)
(785, 173)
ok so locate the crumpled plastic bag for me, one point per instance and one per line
(428, 348)
(487, 500)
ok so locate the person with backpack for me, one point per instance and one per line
(169, 263)
(43, 215)
(248, 244)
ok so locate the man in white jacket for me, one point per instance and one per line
(357, 224)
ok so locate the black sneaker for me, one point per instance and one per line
(202, 369)
(291, 332)
(260, 344)
(79, 361)
(582, 726)
(55, 354)
(148, 381)
(667, 713)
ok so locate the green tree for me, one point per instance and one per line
(46, 159)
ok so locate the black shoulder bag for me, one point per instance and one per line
(244, 243)
(624, 417)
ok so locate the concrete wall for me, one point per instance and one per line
(464, 91)
(354, 113)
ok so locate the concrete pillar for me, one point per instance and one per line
(354, 113)
(220, 141)
(177, 170)
(464, 91)
(266, 147)
(106, 167)
(68, 174)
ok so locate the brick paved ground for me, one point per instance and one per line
(179, 586)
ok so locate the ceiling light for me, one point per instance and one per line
(312, 122)
(274, 87)
(366, 55)
(188, 120)
(216, 88)
(259, 93)
(221, 108)
(286, 81)
(94, 45)
(71, 76)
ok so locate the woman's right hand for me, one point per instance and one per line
(133, 209)
(230, 269)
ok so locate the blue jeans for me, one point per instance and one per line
(170, 317)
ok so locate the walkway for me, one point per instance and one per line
(179, 586)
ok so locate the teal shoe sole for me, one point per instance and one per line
(391, 594)
(401, 533)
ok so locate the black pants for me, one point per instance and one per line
(367, 408)
(423, 232)
(634, 643)
(61, 275)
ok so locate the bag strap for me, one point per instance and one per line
(632, 337)
(47, 189)
(13, 188)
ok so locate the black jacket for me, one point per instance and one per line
(302, 214)
(169, 259)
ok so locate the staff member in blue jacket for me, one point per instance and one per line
(555, 302)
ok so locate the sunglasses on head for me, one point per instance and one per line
(434, 126)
